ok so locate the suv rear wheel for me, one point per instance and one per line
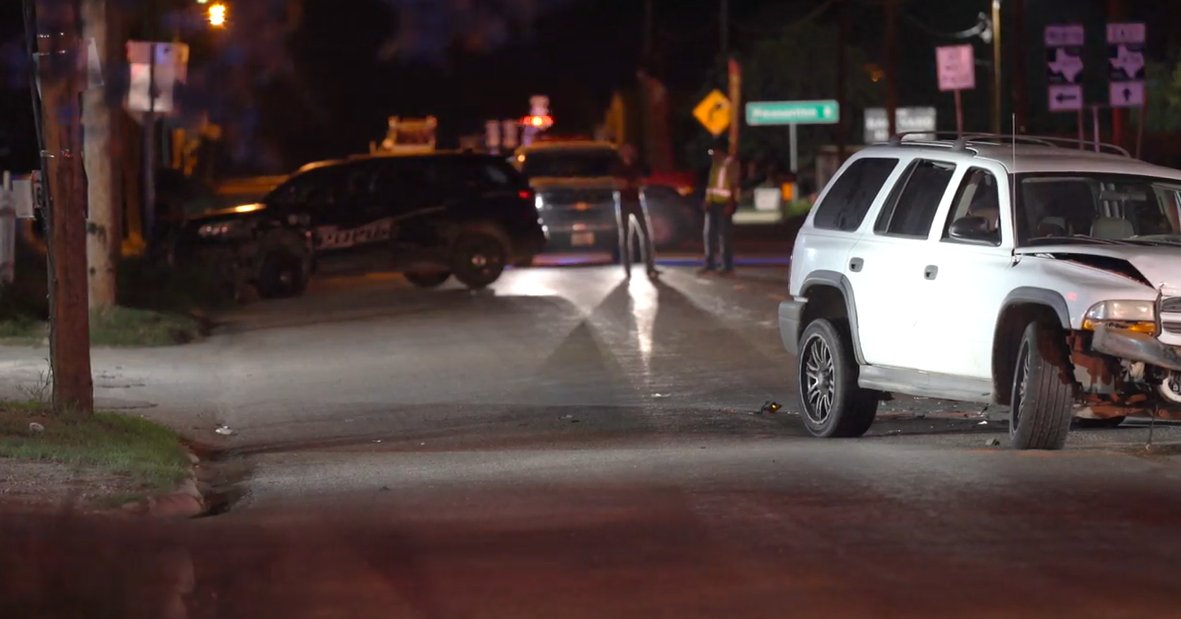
(478, 259)
(1043, 391)
(834, 406)
(426, 279)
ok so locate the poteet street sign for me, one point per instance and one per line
(823, 112)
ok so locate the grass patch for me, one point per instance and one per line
(149, 454)
(122, 326)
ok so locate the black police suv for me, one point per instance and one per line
(429, 215)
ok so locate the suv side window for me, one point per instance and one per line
(977, 196)
(852, 194)
(910, 210)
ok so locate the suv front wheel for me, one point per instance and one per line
(1043, 391)
(834, 405)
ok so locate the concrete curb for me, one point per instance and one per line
(186, 501)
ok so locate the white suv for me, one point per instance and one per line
(990, 269)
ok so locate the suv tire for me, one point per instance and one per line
(281, 274)
(478, 259)
(1043, 391)
(427, 279)
(833, 405)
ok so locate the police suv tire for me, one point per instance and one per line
(426, 279)
(281, 274)
(834, 406)
(478, 259)
(1043, 390)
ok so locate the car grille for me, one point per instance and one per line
(1170, 310)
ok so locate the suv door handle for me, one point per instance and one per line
(855, 264)
(930, 272)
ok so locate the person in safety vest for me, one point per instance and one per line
(721, 200)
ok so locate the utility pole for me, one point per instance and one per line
(1115, 13)
(649, 24)
(891, 66)
(1019, 81)
(996, 66)
(842, 70)
(101, 232)
(724, 26)
(58, 71)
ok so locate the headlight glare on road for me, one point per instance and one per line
(1139, 316)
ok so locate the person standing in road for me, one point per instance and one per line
(721, 200)
(630, 211)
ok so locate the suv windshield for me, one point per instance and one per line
(570, 163)
(1097, 208)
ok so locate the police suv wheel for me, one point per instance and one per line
(478, 259)
(426, 279)
(281, 274)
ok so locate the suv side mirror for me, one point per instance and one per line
(974, 229)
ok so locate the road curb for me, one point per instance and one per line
(185, 501)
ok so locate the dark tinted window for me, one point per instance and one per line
(318, 187)
(852, 194)
(913, 211)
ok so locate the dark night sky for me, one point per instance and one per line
(348, 65)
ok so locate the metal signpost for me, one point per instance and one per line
(956, 66)
(792, 113)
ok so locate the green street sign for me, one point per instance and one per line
(825, 112)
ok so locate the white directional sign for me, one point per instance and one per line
(1125, 44)
(1064, 66)
(956, 65)
(906, 119)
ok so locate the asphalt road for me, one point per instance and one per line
(573, 444)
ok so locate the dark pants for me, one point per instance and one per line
(719, 234)
(633, 216)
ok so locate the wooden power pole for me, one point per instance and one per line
(59, 72)
(102, 236)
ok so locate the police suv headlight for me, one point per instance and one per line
(223, 230)
(1139, 316)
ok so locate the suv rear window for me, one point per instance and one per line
(852, 194)
(911, 213)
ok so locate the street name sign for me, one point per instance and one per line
(763, 113)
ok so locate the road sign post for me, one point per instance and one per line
(956, 68)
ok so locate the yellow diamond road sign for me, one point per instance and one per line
(713, 112)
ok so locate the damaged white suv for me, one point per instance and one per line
(990, 269)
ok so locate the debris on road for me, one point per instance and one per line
(659, 395)
(992, 442)
(983, 423)
(770, 407)
(35, 427)
(223, 430)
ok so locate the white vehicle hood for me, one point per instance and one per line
(1160, 265)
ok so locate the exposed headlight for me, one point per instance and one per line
(1139, 316)
(538, 201)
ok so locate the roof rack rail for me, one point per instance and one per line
(961, 141)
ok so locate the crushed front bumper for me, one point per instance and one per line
(1124, 344)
